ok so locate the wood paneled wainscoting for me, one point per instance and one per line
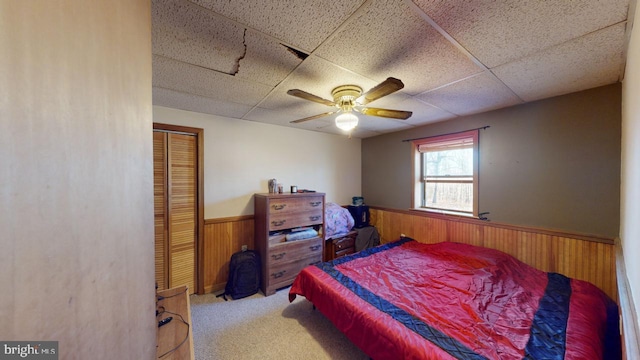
(222, 238)
(578, 256)
(582, 257)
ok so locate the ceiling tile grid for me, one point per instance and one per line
(191, 79)
(184, 32)
(590, 61)
(303, 24)
(497, 32)
(473, 95)
(205, 105)
(387, 39)
(238, 58)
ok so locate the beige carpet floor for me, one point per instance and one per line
(259, 327)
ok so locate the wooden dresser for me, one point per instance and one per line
(339, 247)
(275, 216)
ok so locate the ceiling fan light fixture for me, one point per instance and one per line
(347, 121)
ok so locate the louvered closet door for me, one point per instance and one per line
(160, 208)
(175, 196)
(182, 210)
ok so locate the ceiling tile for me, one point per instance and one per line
(184, 31)
(266, 61)
(381, 124)
(388, 39)
(479, 93)
(593, 60)
(191, 79)
(192, 34)
(283, 118)
(423, 113)
(178, 100)
(304, 24)
(496, 32)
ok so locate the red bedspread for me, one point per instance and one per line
(407, 300)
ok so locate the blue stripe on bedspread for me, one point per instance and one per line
(446, 343)
(547, 337)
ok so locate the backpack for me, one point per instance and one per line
(244, 275)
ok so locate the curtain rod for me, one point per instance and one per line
(457, 132)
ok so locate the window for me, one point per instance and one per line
(446, 173)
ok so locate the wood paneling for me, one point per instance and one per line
(577, 256)
(222, 238)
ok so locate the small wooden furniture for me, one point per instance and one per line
(274, 217)
(175, 338)
(339, 247)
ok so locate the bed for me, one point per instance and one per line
(409, 300)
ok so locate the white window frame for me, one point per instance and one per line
(419, 180)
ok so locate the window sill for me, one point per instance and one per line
(446, 212)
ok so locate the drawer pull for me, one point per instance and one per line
(315, 247)
(278, 223)
(279, 206)
(279, 274)
(278, 256)
(315, 218)
(315, 203)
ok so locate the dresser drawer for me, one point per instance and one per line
(282, 221)
(294, 250)
(344, 243)
(295, 204)
(282, 274)
(345, 252)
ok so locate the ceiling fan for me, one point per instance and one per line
(349, 98)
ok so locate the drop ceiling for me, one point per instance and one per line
(238, 58)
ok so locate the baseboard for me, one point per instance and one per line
(214, 288)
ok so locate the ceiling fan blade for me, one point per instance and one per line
(312, 117)
(394, 114)
(307, 96)
(385, 88)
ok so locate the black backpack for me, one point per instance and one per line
(244, 275)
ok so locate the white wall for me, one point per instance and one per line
(76, 177)
(630, 191)
(241, 156)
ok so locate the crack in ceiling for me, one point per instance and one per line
(244, 53)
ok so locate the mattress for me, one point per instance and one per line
(409, 300)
